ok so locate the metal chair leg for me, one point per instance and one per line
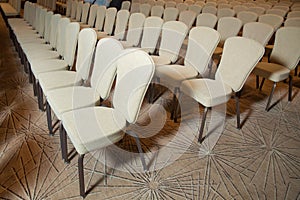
(202, 125)
(290, 88)
(174, 102)
(257, 81)
(296, 71)
(237, 105)
(271, 96)
(177, 107)
(63, 143)
(34, 86)
(262, 83)
(40, 97)
(81, 176)
(49, 119)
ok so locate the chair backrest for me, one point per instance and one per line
(110, 20)
(151, 2)
(87, 39)
(247, 16)
(293, 14)
(206, 19)
(187, 17)
(294, 21)
(258, 10)
(41, 26)
(258, 31)
(240, 55)
(54, 30)
(274, 20)
(228, 27)
(209, 9)
(61, 36)
(282, 7)
(151, 33)
(182, 7)
(157, 11)
(48, 27)
(225, 12)
(189, 2)
(278, 12)
(69, 7)
(239, 8)
(173, 34)
(85, 12)
(74, 9)
(211, 3)
(224, 5)
(70, 42)
(135, 7)
(92, 15)
(170, 14)
(101, 12)
(121, 24)
(145, 8)
(170, 4)
(135, 70)
(160, 3)
(286, 49)
(125, 5)
(107, 52)
(195, 8)
(135, 28)
(201, 45)
(79, 11)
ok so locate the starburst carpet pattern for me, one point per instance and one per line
(260, 161)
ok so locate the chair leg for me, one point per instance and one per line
(40, 97)
(262, 83)
(81, 176)
(202, 125)
(34, 86)
(63, 143)
(138, 144)
(49, 119)
(271, 96)
(290, 88)
(177, 107)
(237, 105)
(257, 81)
(29, 72)
(296, 71)
(174, 102)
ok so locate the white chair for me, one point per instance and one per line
(151, 32)
(293, 14)
(278, 12)
(170, 14)
(209, 9)
(160, 3)
(206, 19)
(228, 27)
(135, 7)
(239, 8)
(109, 23)
(274, 20)
(101, 126)
(173, 34)
(170, 4)
(258, 10)
(78, 11)
(224, 5)
(145, 8)
(157, 11)
(294, 21)
(69, 7)
(65, 99)
(187, 17)
(100, 16)
(195, 8)
(258, 31)
(239, 58)
(284, 58)
(247, 16)
(121, 24)
(201, 45)
(73, 9)
(92, 17)
(125, 5)
(225, 12)
(85, 13)
(181, 7)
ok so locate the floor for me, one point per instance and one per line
(260, 161)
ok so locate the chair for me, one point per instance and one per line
(160, 3)
(170, 4)
(225, 12)
(78, 11)
(145, 8)
(151, 32)
(69, 7)
(209, 9)
(228, 27)
(239, 58)
(85, 13)
(258, 10)
(195, 8)
(284, 58)
(100, 16)
(121, 24)
(224, 5)
(293, 14)
(157, 11)
(109, 23)
(278, 12)
(125, 5)
(239, 8)
(189, 2)
(274, 20)
(247, 16)
(258, 31)
(135, 29)
(73, 9)
(104, 70)
(294, 21)
(135, 8)
(92, 17)
(206, 19)
(173, 34)
(282, 7)
(170, 14)
(64, 78)
(181, 6)
(101, 126)
(187, 17)
(201, 45)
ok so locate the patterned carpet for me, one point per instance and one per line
(260, 161)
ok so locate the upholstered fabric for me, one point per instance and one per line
(295, 21)
(271, 19)
(271, 71)
(170, 14)
(228, 27)
(247, 16)
(121, 24)
(187, 17)
(157, 11)
(109, 22)
(258, 31)
(225, 12)
(206, 19)
(100, 16)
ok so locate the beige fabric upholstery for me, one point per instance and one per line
(100, 16)
(157, 11)
(207, 19)
(121, 24)
(187, 17)
(109, 22)
(271, 19)
(228, 27)
(170, 14)
(272, 71)
(258, 31)
(295, 21)
(247, 16)
(210, 9)
(225, 12)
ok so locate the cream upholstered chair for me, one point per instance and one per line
(239, 8)
(85, 13)
(173, 34)
(135, 7)
(157, 11)
(247, 16)
(225, 12)
(99, 127)
(294, 21)
(170, 4)
(170, 14)
(258, 31)
(195, 8)
(160, 3)
(274, 20)
(145, 8)
(284, 58)
(293, 14)
(64, 78)
(258, 10)
(125, 5)
(206, 19)
(73, 9)
(278, 12)
(68, 8)
(239, 57)
(100, 16)
(201, 45)
(224, 5)
(121, 24)
(91, 17)
(151, 32)
(188, 17)
(135, 29)
(110, 16)
(78, 11)
(104, 70)
(209, 9)
(182, 6)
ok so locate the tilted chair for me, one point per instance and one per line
(284, 58)
(104, 70)
(240, 55)
(99, 127)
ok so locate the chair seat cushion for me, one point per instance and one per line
(160, 60)
(58, 79)
(49, 65)
(207, 92)
(173, 75)
(8, 9)
(99, 127)
(271, 71)
(70, 98)
(40, 56)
